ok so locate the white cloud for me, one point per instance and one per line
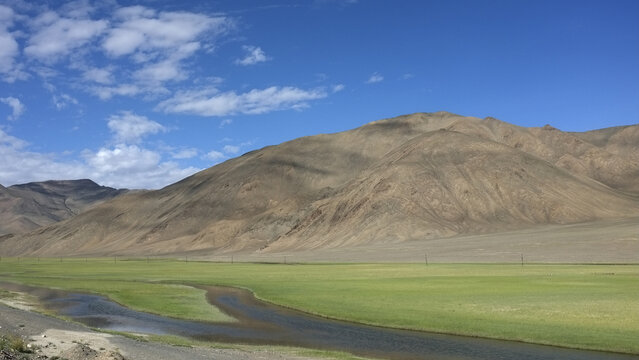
(101, 76)
(107, 92)
(77, 9)
(8, 67)
(338, 88)
(231, 149)
(9, 51)
(210, 102)
(134, 12)
(61, 101)
(145, 31)
(127, 166)
(253, 56)
(133, 167)
(122, 158)
(157, 43)
(159, 72)
(185, 154)
(150, 46)
(375, 78)
(57, 36)
(225, 122)
(6, 16)
(131, 128)
(17, 165)
(408, 76)
(17, 108)
(8, 141)
(215, 156)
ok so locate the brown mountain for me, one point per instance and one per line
(28, 206)
(426, 175)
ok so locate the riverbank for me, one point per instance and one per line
(54, 337)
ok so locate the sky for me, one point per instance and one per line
(142, 94)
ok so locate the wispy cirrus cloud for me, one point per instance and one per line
(211, 102)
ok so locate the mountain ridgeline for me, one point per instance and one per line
(25, 207)
(419, 176)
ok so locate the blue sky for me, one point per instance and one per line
(142, 94)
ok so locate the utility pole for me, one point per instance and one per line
(426, 258)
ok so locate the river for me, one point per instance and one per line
(266, 324)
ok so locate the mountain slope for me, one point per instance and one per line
(28, 206)
(444, 183)
(411, 177)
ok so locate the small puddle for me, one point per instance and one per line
(266, 324)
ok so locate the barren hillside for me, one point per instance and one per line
(28, 206)
(425, 175)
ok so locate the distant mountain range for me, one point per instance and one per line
(29, 206)
(419, 176)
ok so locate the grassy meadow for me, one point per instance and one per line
(581, 306)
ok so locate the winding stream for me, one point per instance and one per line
(263, 323)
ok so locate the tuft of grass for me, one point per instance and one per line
(13, 343)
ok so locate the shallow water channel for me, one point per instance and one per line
(263, 323)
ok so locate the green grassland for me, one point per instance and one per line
(581, 306)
